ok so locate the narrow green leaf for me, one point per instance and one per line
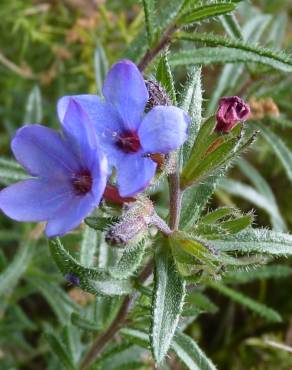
(120, 357)
(11, 171)
(247, 192)
(231, 26)
(136, 336)
(165, 78)
(99, 223)
(190, 353)
(256, 179)
(215, 230)
(101, 67)
(129, 262)
(198, 250)
(281, 150)
(212, 161)
(192, 103)
(62, 305)
(256, 240)
(237, 225)
(261, 309)
(263, 272)
(229, 79)
(201, 13)
(201, 302)
(195, 199)
(229, 51)
(137, 47)
(105, 310)
(88, 247)
(83, 323)
(184, 346)
(217, 215)
(92, 280)
(277, 30)
(60, 351)
(33, 109)
(13, 272)
(149, 12)
(169, 292)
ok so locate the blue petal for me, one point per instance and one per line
(70, 215)
(101, 114)
(99, 173)
(105, 118)
(125, 89)
(134, 174)
(42, 151)
(163, 129)
(34, 199)
(80, 133)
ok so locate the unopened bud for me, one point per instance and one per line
(231, 111)
(133, 225)
(157, 95)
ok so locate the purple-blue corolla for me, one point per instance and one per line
(69, 173)
(127, 135)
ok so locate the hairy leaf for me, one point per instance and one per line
(192, 103)
(33, 109)
(257, 240)
(247, 192)
(229, 51)
(169, 292)
(281, 150)
(203, 12)
(88, 247)
(13, 272)
(101, 67)
(129, 262)
(261, 309)
(190, 353)
(149, 12)
(11, 171)
(92, 280)
(263, 272)
(60, 351)
(164, 76)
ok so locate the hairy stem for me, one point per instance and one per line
(161, 225)
(175, 197)
(102, 340)
(162, 44)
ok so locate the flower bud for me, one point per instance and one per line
(231, 110)
(126, 231)
(133, 225)
(157, 95)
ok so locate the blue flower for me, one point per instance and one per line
(128, 135)
(69, 173)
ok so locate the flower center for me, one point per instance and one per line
(82, 182)
(129, 142)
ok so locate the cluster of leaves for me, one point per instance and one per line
(45, 322)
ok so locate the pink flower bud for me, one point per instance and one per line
(231, 110)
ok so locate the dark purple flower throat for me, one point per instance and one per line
(129, 142)
(82, 182)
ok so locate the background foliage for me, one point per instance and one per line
(54, 48)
